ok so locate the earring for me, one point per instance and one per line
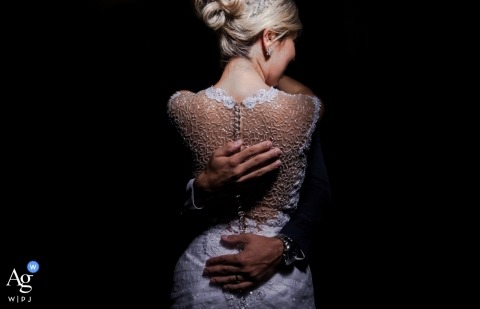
(269, 51)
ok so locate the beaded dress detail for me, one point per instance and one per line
(209, 119)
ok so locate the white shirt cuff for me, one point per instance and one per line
(190, 202)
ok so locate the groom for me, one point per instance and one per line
(261, 256)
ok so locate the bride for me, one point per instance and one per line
(253, 101)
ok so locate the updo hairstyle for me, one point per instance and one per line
(239, 23)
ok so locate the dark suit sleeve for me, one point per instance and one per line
(315, 195)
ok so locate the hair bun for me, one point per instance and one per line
(215, 13)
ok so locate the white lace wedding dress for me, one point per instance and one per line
(207, 120)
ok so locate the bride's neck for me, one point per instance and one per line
(244, 71)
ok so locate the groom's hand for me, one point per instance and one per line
(256, 263)
(231, 165)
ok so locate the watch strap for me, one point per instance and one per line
(291, 252)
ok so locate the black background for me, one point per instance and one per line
(90, 155)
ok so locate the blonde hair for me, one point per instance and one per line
(239, 23)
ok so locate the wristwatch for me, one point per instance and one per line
(291, 252)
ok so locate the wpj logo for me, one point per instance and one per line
(22, 282)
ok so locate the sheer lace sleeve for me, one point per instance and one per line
(177, 108)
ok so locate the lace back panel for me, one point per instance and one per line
(210, 118)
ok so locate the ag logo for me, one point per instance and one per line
(22, 282)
